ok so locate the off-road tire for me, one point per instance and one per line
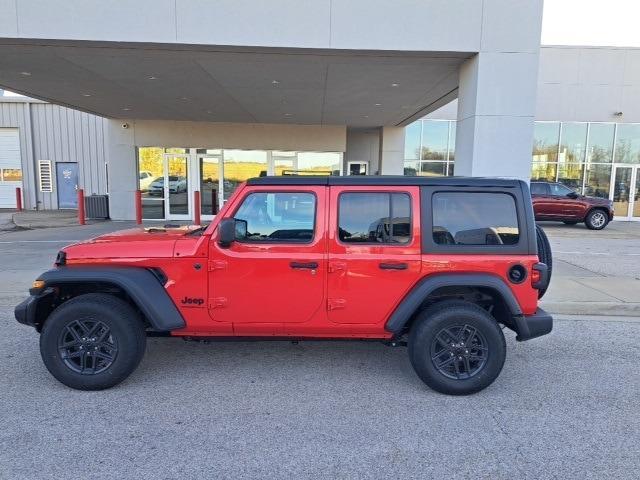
(544, 255)
(126, 332)
(596, 219)
(451, 314)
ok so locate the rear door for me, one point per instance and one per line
(67, 182)
(374, 251)
(543, 203)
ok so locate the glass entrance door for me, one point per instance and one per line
(625, 193)
(176, 187)
(211, 185)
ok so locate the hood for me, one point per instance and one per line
(154, 242)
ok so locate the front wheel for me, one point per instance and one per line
(596, 220)
(456, 347)
(92, 342)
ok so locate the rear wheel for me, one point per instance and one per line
(92, 342)
(596, 219)
(544, 254)
(456, 347)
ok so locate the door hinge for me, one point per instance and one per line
(218, 302)
(217, 265)
(336, 303)
(337, 267)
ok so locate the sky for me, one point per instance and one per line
(591, 22)
(586, 22)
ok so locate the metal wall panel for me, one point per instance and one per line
(60, 134)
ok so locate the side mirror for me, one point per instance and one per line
(227, 230)
(573, 195)
(231, 230)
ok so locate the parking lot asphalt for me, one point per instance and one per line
(565, 405)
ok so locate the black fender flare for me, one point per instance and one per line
(412, 301)
(142, 286)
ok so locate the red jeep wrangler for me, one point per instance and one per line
(436, 263)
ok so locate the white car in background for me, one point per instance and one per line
(144, 180)
(177, 184)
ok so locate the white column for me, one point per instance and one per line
(497, 93)
(123, 173)
(391, 151)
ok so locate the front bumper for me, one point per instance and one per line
(532, 326)
(27, 311)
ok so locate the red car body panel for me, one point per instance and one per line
(250, 289)
(563, 208)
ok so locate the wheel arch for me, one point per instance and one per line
(473, 287)
(591, 208)
(141, 287)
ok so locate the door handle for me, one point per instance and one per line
(393, 266)
(307, 265)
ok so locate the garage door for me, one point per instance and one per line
(10, 167)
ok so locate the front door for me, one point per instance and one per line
(625, 193)
(67, 183)
(176, 187)
(374, 252)
(275, 273)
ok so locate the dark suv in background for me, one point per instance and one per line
(555, 201)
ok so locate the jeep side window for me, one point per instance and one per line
(278, 217)
(470, 218)
(374, 218)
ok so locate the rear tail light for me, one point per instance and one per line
(539, 276)
(535, 277)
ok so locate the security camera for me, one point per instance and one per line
(125, 125)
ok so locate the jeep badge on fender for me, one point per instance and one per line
(438, 264)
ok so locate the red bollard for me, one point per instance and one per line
(138, 202)
(19, 199)
(196, 206)
(81, 217)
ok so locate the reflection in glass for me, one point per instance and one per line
(435, 138)
(571, 175)
(241, 165)
(600, 148)
(412, 140)
(178, 185)
(461, 219)
(209, 184)
(11, 174)
(545, 141)
(374, 218)
(319, 163)
(284, 163)
(278, 217)
(573, 139)
(636, 196)
(621, 191)
(597, 181)
(628, 143)
(452, 141)
(151, 181)
(544, 171)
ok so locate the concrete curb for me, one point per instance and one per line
(620, 309)
(31, 221)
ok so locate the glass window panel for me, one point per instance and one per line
(374, 218)
(319, 163)
(545, 141)
(559, 190)
(435, 135)
(176, 150)
(209, 178)
(278, 217)
(432, 169)
(450, 169)
(598, 178)
(151, 181)
(628, 143)
(11, 174)
(573, 139)
(412, 140)
(544, 171)
(178, 180)
(241, 165)
(571, 175)
(411, 168)
(538, 188)
(600, 142)
(284, 163)
(452, 141)
(209, 151)
(461, 219)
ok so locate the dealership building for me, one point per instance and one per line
(170, 106)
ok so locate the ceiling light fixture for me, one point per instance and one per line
(126, 109)
(26, 74)
(378, 104)
(395, 84)
(86, 94)
(365, 116)
(184, 98)
(275, 82)
(151, 77)
(287, 114)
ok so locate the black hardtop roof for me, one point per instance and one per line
(384, 180)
